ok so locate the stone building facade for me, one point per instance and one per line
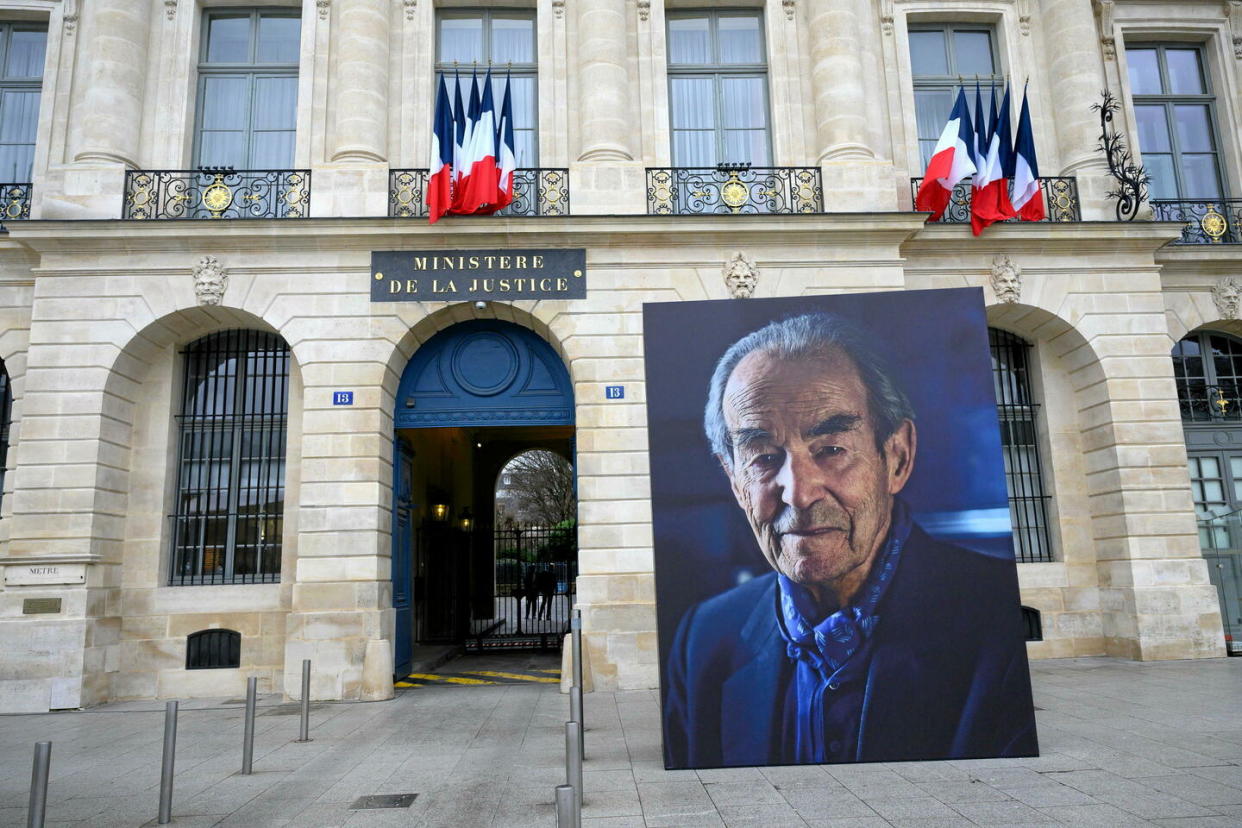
(102, 294)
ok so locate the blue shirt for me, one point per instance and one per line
(831, 657)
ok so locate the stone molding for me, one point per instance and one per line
(1105, 8)
(1233, 11)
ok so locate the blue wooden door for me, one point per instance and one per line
(402, 552)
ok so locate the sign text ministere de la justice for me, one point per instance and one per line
(448, 275)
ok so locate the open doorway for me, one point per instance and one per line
(475, 399)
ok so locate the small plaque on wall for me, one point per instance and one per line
(40, 606)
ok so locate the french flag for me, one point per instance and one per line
(982, 136)
(989, 203)
(1028, 200)
(440, 184)
(480, 185)
(506, 152)
(459, 133)
(463, 161)
(950, 161)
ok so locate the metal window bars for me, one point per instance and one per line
(1203, 402)
(537, 192)
(228, 516)
(1207, 221)
(1024, 479)
(734, 189)
(216, 193)
(1060, 200)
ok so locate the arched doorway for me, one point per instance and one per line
(471, 398)
(1207, 366)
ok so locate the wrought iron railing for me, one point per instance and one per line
(1060, 200)
(537, 191)
(1207, 221)
(1203, 403)
(216, 193)
(14, 201)
(734, 188)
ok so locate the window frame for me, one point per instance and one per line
(195, 472)
(716, 71)
(1020, 406)
(1168, 101)
(22, 83)
(515, 70)
(952, 81)
(252, 71)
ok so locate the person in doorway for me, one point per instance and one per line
(547, 590)
(532, 590)
(868, 640)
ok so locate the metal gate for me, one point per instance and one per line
(536, 568)
(1220, 538)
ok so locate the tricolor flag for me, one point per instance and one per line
(982, 137)
(950, 161)
(506, 152)
(440, 182)
(464, 160)
(989, 202)
(1028, 200)
(459, 132)
(480, 184)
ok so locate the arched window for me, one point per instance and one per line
(228, 515)
(1024, 478)
(1208, 368)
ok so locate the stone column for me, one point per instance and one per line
(854, 175)
(606, 177)
(354, 179)
(105, 113)
(1075, 78)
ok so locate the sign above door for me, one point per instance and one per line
(477, 275)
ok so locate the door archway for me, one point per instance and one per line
(472, 390)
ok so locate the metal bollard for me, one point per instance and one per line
(252, 694)
(304, 731)
(38, 785)
(166, 770)
(567, 815)
(576, 627)
(575, 715)
(573, 759)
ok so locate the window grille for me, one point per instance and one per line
(1207, 368)
(1032, 623)
(1024, 479)
(718, 88)
(228, 519)
(213, 650)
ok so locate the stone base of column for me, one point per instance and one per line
(84, 190)
(613, 188)
(43, 663)
(337, 642)
(355, 189)
(1169, 610)
(1094, 186)
(855, 185)
(620, 643)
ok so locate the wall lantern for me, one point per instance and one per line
(467, 519)
(439, 512)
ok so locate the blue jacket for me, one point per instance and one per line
(948, 677)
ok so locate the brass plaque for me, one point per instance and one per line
(38, 606)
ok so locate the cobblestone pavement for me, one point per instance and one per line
(1123, 744)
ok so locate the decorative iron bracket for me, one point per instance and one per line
(1132, 179)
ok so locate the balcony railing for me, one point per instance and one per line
(537, 191)
(1217, 221)
(734, 188)
(216, 193)
(1060, 200)
(14, 202)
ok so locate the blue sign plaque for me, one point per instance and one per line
(342, 397)
(614, 392)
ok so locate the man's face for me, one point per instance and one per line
(816, 489)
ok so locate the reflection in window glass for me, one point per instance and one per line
(1176, 123)
(927, 54)
(718, 106)
(247, 107)
(940, 56)
(22, 52)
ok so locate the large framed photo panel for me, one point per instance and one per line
(835, 578)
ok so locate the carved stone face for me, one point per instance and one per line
(740, 277)
(210, 281)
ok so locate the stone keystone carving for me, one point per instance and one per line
(210, 281)
(323, 6)
(1233, 10)
(741, 276)
(1006, 279)
(1225, 293)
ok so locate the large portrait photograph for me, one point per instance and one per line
(835, 577)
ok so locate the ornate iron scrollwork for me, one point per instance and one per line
(1132, 180)
(734, 189)
(1205, 221)
(216, 193)
(14, 202)
(537, 191)
(1060, 200)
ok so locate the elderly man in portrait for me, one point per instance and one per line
(869, 640)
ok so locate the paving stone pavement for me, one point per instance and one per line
(1123, 743)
